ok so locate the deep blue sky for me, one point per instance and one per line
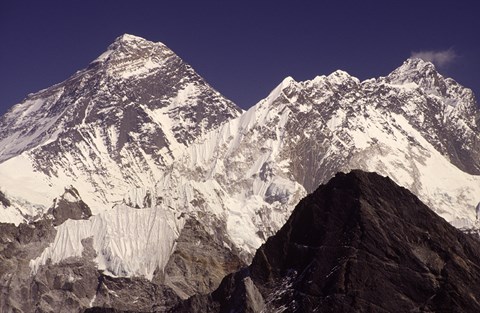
(242, 48)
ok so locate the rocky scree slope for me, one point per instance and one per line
(360, 243)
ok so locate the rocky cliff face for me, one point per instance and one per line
(18, 245)
(360, 243)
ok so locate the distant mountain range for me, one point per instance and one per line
(138, 180)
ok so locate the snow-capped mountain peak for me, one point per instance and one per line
(130, 56)
(340, 77)
(416, 72)
(286, 84)
(129, 43)
(130, 38)
(111, 127)
(415, 64)
(413, 69)
(132, 42)
(287, 81)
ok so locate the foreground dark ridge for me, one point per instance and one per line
(360, 243)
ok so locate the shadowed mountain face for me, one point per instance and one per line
(357, 244)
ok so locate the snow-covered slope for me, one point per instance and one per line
(252, 170)
(108, 129)
(305, 132)
(148, 144)
(128, 241)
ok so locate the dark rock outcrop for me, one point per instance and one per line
(200, 260)
(18, 245)
(357, 244)
(131, 294)
(4, 200)
(69, 206)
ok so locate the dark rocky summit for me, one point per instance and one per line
(357, 244)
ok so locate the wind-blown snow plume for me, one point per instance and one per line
(439, 58)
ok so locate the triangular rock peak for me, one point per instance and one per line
(360, 243)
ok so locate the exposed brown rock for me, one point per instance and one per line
(69, 206)
(200, 260)
(358, 244)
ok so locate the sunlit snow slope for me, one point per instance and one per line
(413, 125)
(148, 144)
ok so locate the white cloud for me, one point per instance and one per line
(439, 58)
